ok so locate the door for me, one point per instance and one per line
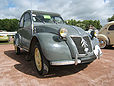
(20, 30)
(110, 33)
(27, 31)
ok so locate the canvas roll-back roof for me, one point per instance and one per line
(43, 12)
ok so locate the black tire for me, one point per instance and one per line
(17, 50)
(43, 69)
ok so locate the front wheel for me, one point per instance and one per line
(41, 63)
(102, 43)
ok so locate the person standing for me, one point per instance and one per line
(92, 31)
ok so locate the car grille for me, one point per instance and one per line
(81, 49)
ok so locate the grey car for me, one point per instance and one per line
(50, 41)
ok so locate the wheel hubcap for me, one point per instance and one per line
(102, 43)
(38, 59)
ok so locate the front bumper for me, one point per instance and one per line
(70, 62)
(66, 62)
(97, 54)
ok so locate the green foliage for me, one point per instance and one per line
(9, 24)
(84, 24)
(12, 24)
(111, 19)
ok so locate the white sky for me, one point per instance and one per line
(76, 9)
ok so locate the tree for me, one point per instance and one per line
(111, 19)
(85, 23)
(9, 24)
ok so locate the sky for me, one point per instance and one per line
(68, 9)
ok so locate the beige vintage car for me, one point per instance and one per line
(106, 35)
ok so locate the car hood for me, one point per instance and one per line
(54, 28)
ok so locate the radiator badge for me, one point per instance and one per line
(84, 45)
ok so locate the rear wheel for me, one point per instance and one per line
(17, 50)
(41, 63)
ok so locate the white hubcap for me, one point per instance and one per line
(102, 43)
(38, 59)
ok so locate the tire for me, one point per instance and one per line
(102, 43)
(17, 50)
(40, 62)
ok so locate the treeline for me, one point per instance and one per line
(9, 24)
(111, 18)
(12, 24)
(85, 23)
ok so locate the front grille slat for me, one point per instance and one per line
(80, 48)
(86, 38)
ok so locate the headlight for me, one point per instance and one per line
(63, 32)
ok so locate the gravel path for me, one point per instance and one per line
(15, 71)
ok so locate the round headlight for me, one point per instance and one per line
(63, 32)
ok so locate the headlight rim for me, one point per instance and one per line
(64, 33)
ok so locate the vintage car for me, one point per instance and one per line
(3, 37)
(50, 41)
(106, 35)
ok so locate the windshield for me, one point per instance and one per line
(47, 19)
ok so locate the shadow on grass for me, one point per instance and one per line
(28, 67)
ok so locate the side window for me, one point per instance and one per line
(111, 27)
(21, 22)
(58, 20)
(27, 20)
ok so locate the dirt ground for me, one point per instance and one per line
(15, 71)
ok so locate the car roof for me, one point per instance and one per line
(43, 12)
(106, 25)
(109, 23)
(112, 22)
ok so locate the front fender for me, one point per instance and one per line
(53, 48)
